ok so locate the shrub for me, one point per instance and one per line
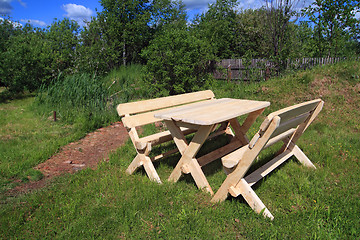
(177, 62)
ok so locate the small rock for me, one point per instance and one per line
(68, 162)
(78, 165)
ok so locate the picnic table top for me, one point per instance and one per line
(212, 111)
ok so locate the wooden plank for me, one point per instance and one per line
(148, 117)
(161, 137)
(164, 102)
(252, 199)
(218, 153)
(168, 114)
(178, 136)
(239, 134)
(168, 153)
(267, 168)
(291, 123)
(219, 110)
(290, 112)
(150, 170)
(191, 151)
(232, 159)
(302, 127)
(280, 137)
(199, 176)
(243, 166)
(302, 157)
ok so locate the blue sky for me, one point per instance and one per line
(41, 13)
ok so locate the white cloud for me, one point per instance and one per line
(76, 12)
(197, 4)
(253, 4)
(34, 22)
(357, 15)
(6, 8)
(15, 24)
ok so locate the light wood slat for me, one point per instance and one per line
(220, 112)
(168, 114)
(164, 102)
(218, 153)
(148, 117)
(239, 134)
(264, 170)
(290, 112)
(279, 137)
(161, 137)
(302, 157)
(292, 123)
(177, 136)
(252, 199)
(217, 111)
(190, 151)
(232, 159)
(243, 166)
(168, 153)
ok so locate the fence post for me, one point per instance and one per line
(229, 73)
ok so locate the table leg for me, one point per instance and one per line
(241, 130)
(188, 161)
(177, 135)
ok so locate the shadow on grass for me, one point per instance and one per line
(6, 95)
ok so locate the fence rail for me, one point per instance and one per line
(262, 69)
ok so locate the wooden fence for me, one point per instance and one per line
(262, 69)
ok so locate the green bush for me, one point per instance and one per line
(25, 62)
(177, 62)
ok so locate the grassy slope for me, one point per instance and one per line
(322, 203)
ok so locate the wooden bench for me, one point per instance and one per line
(285, 125)
(136, 114)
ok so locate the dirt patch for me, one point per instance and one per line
(85, 153)
(320, 86)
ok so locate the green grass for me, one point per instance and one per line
(319, 204)
(28, 139)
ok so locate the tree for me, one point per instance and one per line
(93, 55)
(8, 29)
(126, 29)
(217, 26)
(25, 64)
(62, 36)
(251, 34)
(279, 14)
(165, 12)
(334, 24)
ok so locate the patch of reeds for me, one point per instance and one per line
(88, 100)
(77, 98)
(126, 83)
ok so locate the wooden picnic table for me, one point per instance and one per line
(205, 117)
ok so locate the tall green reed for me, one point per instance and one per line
(126, 83)
(91, 101)
(79, 98)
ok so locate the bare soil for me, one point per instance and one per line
(85, 153)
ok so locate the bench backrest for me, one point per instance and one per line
(294, 120)
(142, 112)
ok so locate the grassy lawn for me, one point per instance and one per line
(28, 139)
(106, 203)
